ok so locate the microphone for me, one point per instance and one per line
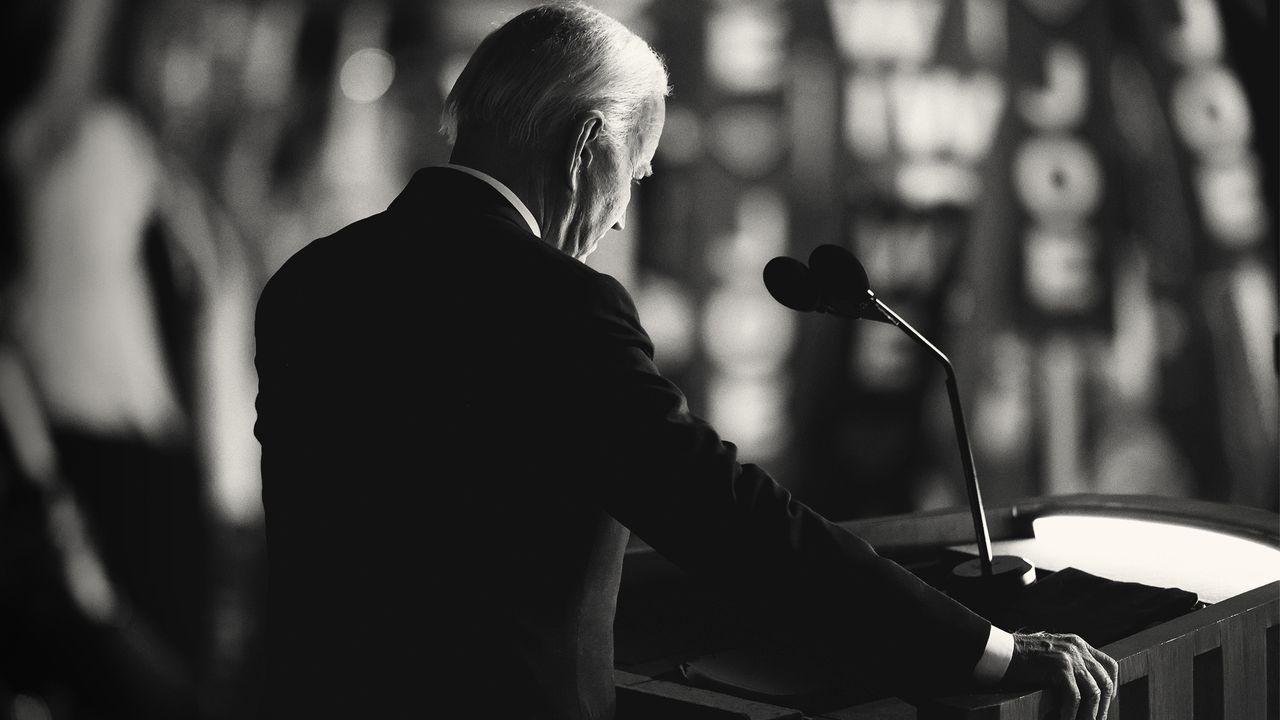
(833, 282)
(841, 280)
(836, 282)
(789, 283)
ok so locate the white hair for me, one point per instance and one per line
(536, 72)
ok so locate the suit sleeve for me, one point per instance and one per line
(670, 478)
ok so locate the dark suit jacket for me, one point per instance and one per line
(459, 425)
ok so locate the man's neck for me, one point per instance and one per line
(485, 155)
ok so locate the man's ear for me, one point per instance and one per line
(584, 136)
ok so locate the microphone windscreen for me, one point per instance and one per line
(789, 283)
(840, 278)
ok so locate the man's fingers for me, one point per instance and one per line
(1106, 672)
(1106, 688)
(1068, 691)
(1090, 694)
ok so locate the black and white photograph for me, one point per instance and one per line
(639, 360)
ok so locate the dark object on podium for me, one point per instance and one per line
(1097, 609)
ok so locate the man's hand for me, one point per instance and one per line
(1083, 678)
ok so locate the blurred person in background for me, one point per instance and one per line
(73, 644)
(106, 565)
(461, 423)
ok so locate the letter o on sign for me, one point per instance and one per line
(1057, 178)
(1211, 111)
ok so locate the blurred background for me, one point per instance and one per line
(1075, 199)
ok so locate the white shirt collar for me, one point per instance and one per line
(506, 193)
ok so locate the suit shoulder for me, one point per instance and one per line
(321, 258)
(588, 290)
(553, 273)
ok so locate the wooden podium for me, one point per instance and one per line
(1218, 661)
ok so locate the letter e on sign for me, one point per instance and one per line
(1060, 270)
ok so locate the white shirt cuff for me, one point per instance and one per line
(995, 658)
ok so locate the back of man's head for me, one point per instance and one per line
(532, 75)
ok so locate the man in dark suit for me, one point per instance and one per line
(461, 423)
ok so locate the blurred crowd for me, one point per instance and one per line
(1075, 200)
